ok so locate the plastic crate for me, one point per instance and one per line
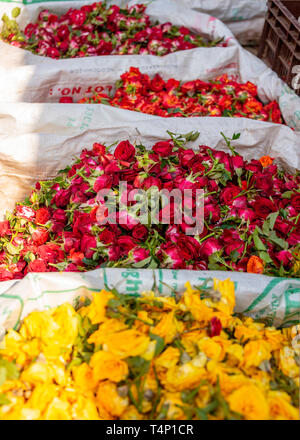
(280, 41)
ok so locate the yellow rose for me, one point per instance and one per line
(172, 401)
(235, 354)
(39, 372)
(58, 410)
(212, 348)
(166, 328)
(56, 329)
(131, 413)
(126, 343)
(18, 349)
(255, 352)
(106, 329)
(226, 289)
(185, 376)
(109, 399)
(274, 338)
(97, 309)
(42, 395)
(287, 362)
(105, 365)
(249, 401)
(168, 359)
(280, 406)
(84, 408)
(83, 377)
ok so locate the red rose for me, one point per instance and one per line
(52, 52)
(285, 257)
(25, 212)
(37, 266)
(263, 207)
(78, 17)
(140, 232)
(212, 212)
(124, 151)
(295, 201)
(125, 243)
(151, 181)
(62, 198)
(99, 149)
(157, 83)
(282, 227)
(237, 162)
(163, 149)
(236, 246)
(215, 327)
(40, 236)
(174, 258)
(294, 238)
(189, 247)
(246, 214)
(102, 182)
(114, 253)
(87, 243)
(42, 216)
(5, 228)
(107, 236)
(50, 253)
(209, 247)
(59, 216)
(227, 194)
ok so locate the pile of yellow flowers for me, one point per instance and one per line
(123, 357)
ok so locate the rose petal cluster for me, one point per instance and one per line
(223, 96)
(97, 29)
(251, 214)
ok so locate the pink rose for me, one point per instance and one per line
(139, 254)
(103, 181)
(285, 257)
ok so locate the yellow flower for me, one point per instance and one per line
(166, 328)
(255, 352)
(211, 348)
(280, 406)
(249, 401)
(97, 309)
(172, 402)
(83, 377)
(131, 413)
(39, 372)
(56, 329)
(109, 399)
(274, 338)
(168, 359)
(58, 410)
(235, 354)
(185, 376)
(105, 330)
(42, 395)
(248, 330)
(84, 408)
(287, 362)
(226, 289)
(126, 343)
(18, 349)
(108, 366)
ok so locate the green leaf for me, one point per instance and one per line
(11, 249)
(257, 242)
(3, 375)
(160, 343)
(287, 195)
(265, 256)
(12, 371)
(272, 219)
(4, 400)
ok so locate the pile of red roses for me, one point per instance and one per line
(220, 97)
(100, 30)
(251, 212)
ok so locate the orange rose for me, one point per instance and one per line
(255, 265)
(266, 161)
